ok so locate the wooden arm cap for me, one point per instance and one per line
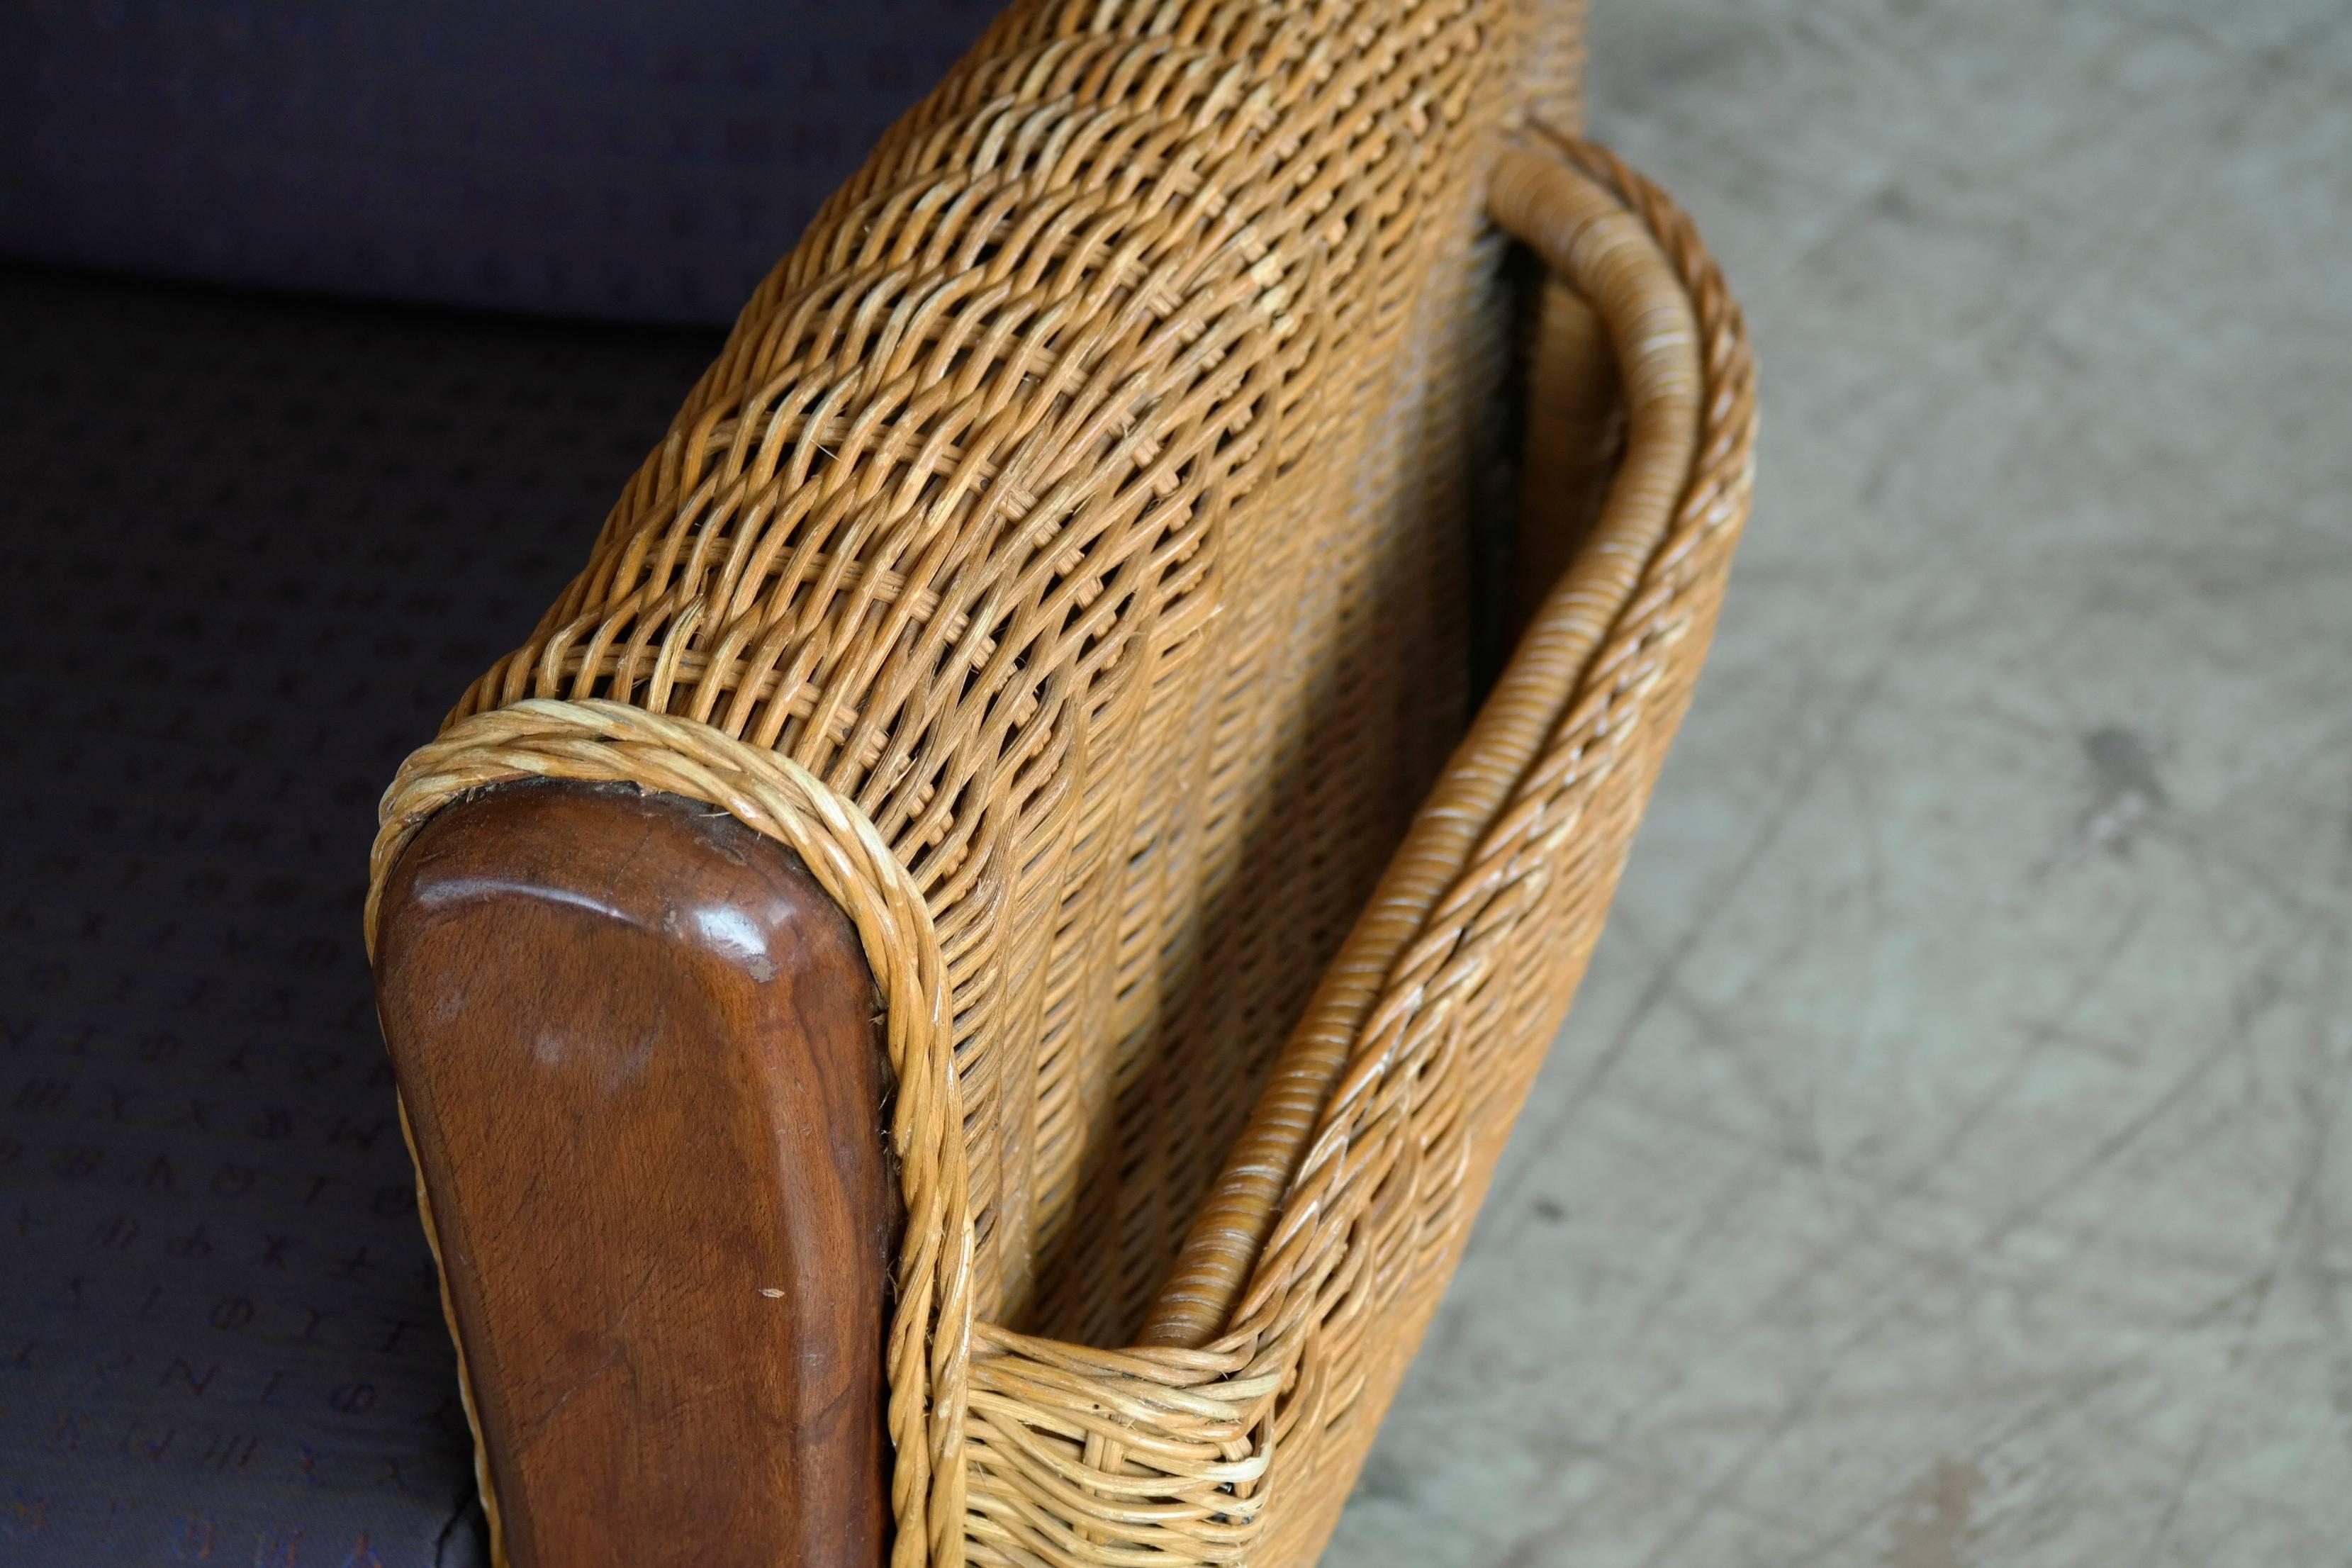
(637, 1049)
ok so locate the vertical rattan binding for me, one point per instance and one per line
(1067, 555)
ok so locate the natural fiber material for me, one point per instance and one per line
(1070, 557)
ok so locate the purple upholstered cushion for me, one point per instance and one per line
(641, 160)
(250, 549)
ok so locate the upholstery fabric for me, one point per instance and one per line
(613, 158)
(228, 603)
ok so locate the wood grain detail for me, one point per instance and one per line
(637, 1046)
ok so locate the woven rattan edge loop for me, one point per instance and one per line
(1262, 1220)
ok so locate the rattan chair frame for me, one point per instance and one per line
(1037, 562)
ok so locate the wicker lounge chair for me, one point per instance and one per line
(959, 995)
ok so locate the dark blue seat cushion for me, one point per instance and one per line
(251, 551)
(643, 160)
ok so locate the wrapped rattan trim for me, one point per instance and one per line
(1557, 721)
(930, 1331)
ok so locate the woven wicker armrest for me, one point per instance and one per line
(958, 996)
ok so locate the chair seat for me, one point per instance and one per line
(223, 1338)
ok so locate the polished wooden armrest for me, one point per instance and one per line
(638, 1052)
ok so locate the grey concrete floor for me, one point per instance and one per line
(1948, 1161)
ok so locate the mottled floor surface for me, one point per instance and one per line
(1949, 1161)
